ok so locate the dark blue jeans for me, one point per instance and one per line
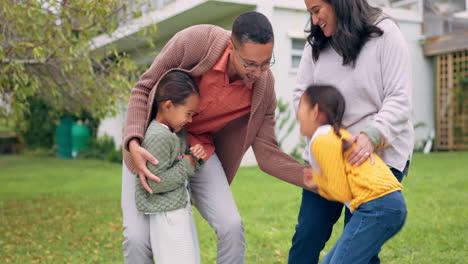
(370, 226)
(315, 224)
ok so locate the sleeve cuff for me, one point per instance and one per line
(131, 132)
(374, 136)
(129, 138)
(188, 166)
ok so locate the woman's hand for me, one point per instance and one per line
(363, 150)
(309, 179)
(198, 151)
(140, 156)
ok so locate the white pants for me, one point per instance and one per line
(213, 199)
(173, 237)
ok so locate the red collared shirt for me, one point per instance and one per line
(220, 103)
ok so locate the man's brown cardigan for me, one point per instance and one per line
(195, 50)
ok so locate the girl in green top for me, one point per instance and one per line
(172, 229)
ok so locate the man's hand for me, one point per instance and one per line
(309, 179)
(363, 150)
(140, 156)
(198, 151)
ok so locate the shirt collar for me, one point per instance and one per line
(164, 125)
(221, 65)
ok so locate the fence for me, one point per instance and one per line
(452, 101)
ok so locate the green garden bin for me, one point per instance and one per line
(63, 137)
(80, 135)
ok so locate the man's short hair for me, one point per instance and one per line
(252, 27)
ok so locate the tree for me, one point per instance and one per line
(46, 51)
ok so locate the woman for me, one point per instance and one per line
(361, 51)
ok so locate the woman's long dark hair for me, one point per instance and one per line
(331, 102)
(356, 21)
(175, 86)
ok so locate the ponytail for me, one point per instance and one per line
(332, 103)
(345, 144)
(337, 123)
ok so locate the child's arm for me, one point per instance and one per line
(173, 174)
(332, 181)
(198, 151)
(173, 177)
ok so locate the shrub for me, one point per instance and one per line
(102, 148)
(40, 124)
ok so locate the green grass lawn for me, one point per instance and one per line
(68, 211)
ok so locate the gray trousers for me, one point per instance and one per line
(213, 199)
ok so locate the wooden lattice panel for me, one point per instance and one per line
(452, 101)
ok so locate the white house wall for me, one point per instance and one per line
(423, 80)
(112, 126)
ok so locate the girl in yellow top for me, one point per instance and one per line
(370, 191)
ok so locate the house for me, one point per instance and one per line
(289, 19)
(446, 32)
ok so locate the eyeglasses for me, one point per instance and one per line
(252, 66)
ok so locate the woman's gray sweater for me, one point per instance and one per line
(377, 91)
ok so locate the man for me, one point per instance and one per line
(236, 111)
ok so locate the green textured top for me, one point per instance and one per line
(170, 193)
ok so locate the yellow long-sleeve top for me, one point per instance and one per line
(340, 181)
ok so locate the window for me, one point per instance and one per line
(297, 46)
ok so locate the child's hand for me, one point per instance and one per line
(309, 179)
(198, 151)
(190, 159)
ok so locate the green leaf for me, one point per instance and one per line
(70, 79)
(37, 52)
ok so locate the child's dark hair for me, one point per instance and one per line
(175, 86)
(331, 102)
